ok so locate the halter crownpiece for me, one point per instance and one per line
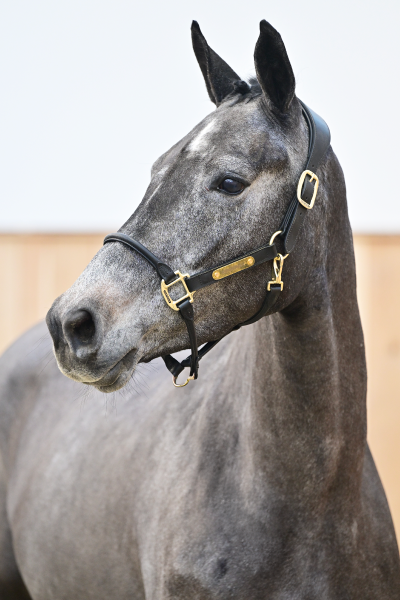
(301, 203)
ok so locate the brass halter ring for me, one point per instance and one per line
(179, 385)
(272, 240)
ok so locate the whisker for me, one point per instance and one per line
(45, 356)
(37, 344)
(46, 365)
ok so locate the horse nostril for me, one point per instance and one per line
(80, 329)
(54, 327)
(84, 328)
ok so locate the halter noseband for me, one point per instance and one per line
(302, 201)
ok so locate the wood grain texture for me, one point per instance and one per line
(35, 269)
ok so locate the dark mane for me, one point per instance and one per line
(244, 91)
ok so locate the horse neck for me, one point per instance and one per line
(306, 382)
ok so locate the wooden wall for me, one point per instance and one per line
(378, 288)
(35, 269)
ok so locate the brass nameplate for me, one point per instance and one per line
(235, 267)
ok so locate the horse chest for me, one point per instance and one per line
(221, 550)
(237, 567)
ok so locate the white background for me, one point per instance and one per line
(94, 91)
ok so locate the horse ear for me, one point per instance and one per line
(273, 68)
(219, 77)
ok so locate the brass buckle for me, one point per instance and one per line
(278, 272)
(164, 290)
(313, 177)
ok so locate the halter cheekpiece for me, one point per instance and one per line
(302, 201)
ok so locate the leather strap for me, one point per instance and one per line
(270, 299)
(163, 271)
(194, 282)
(185, 308)
(176, 367)
(205, 278)
(319, 142)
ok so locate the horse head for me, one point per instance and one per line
(218, 193)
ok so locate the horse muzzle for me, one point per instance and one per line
(81, 352)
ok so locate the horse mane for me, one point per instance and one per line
(244, 91)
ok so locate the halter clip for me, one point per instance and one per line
(277, 280)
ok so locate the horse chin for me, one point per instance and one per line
(118, 375)
(121, 380)
(114, 379)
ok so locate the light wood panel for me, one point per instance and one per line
(378, 287)
(35, 269)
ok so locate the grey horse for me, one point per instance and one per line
(253, 482)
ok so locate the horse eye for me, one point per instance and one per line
(231, 186)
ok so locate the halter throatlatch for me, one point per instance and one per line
(301, 203)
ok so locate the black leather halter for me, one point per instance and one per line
(302, 201)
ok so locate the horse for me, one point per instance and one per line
(254, 481)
